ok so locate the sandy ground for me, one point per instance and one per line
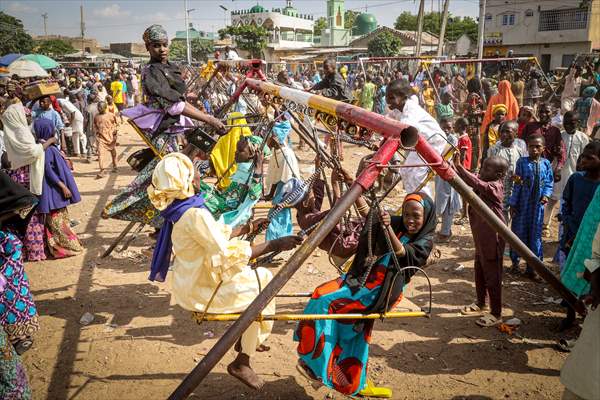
(140, 345)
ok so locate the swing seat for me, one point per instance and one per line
(200, 317)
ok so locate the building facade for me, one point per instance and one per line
(554, 31)
(288, 28)
(89, 45)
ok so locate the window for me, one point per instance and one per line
(559, 20)
(488, 17)
(529, 13)
(508, 19)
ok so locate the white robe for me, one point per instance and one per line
(206, 255)
(413, 114)
(21, 148)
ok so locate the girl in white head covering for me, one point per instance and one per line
(209, 257)
(21, 147)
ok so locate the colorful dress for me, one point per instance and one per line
(474, 112)
(581, 250)
(532, 181)
(233, 206)
(159, 120)
(337, 352)
(18, 315)
(33, 239)
(13, 377)
(577, 197)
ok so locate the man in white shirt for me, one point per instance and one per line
(408, 111)
(231, 54)
(76, 119)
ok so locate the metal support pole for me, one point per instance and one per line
(440, 50)
(420, 27)
(482, 4)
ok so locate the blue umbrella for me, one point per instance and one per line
(9, 58)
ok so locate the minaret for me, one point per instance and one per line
(335, 14)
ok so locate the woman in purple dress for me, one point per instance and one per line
(59, 191)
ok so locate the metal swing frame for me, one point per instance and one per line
(397, 134)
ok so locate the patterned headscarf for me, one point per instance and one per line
(155, 33)
(498, 107)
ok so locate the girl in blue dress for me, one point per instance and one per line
(336, 352)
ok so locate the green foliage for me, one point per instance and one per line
(432, 22)
(13, 38)
(406, 22)
(349, 18)
(177, 50)
(53, 48)
(201, 49)
(385, 44)
(320, 25)
(250, 38)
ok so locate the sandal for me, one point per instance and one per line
(565, 345)
(371, 390)
(474, 309)
(488, 320)
(23, 345)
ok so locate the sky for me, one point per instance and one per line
(124, 21)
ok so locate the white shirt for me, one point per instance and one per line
(574, 145)
(413, 114)
(71, 109)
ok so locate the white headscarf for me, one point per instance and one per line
(171, 180)
(21, 147)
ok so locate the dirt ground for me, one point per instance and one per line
(140, 345)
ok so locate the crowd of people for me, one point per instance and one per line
(522, 154)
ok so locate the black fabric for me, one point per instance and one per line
(417, 251)
(163, 84)
(334, 87)
(13, 198)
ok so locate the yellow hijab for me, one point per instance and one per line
(223, 154)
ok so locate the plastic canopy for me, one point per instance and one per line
(9, 58)
(44, 61)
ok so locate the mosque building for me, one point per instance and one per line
(292, 32)
(289, 28)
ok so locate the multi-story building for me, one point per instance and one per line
(288, 28)
(554, 31)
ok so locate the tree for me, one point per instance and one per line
(53, 48)
(177, 50)
(432, 22)
(385, 44)
(13, 38)
(201, 49)
(349, 18)
(406, 22)
(250, 38)
(320, 25)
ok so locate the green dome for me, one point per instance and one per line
(258, 9)
(364, 23)
(291, 11)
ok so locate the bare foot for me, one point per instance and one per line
(240, 368)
